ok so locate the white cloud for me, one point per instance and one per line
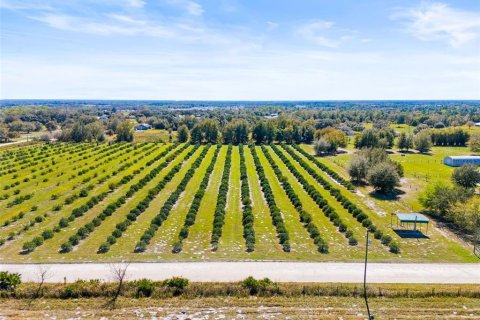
(52, 4)
(439, 21)
(25, 5)
(120, 25)
(322, 33)
(135, 3)
(119, 17)
(191, 7)
(272, 25)
(176, 30)
(127, 19)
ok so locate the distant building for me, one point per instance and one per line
(477, 124)
(142, 127)
(104, 117)
(132, 117)
(458, 161)
(272, 116)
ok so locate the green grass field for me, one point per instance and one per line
(154, 135)
(62, 180)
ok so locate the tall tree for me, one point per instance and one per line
(196, 135)
(3, 133)
(466, 176)
(206, 131)
(358, 168)
(264, 132)
(322, 146)
(124, 132)
(183, 133)
(95, 132)
(336, 138)
(474, 142)
(422, 141)
(383, 177)
(79, 132)
(236, 132)
(405, 141)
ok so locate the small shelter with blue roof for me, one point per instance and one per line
(411, 220)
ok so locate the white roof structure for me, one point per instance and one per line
(464, 157)
(457, 161)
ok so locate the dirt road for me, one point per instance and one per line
(277, 271)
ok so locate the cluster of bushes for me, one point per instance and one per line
(328, 139)
(457, 204)
(374, 165)
(347, 184)
(9, 281)
(259, 287)
(10, 287)
(195, 206)
(33, 222)
(356, 212)
(27, 226)
(146, 287)
(143, 205)
(158, 220)
(328, 210)
(20, 199)
(382, 137)
(12, 185)
(13, 219)
(277, 219)
(247, 218)
(219, 215)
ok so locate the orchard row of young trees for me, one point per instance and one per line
(78, 212)
(112, 207)
(356, 212)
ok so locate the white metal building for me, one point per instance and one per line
(458, 161)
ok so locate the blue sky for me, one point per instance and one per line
(240, 50)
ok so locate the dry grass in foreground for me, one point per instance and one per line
(307, 307)
(177, 298)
